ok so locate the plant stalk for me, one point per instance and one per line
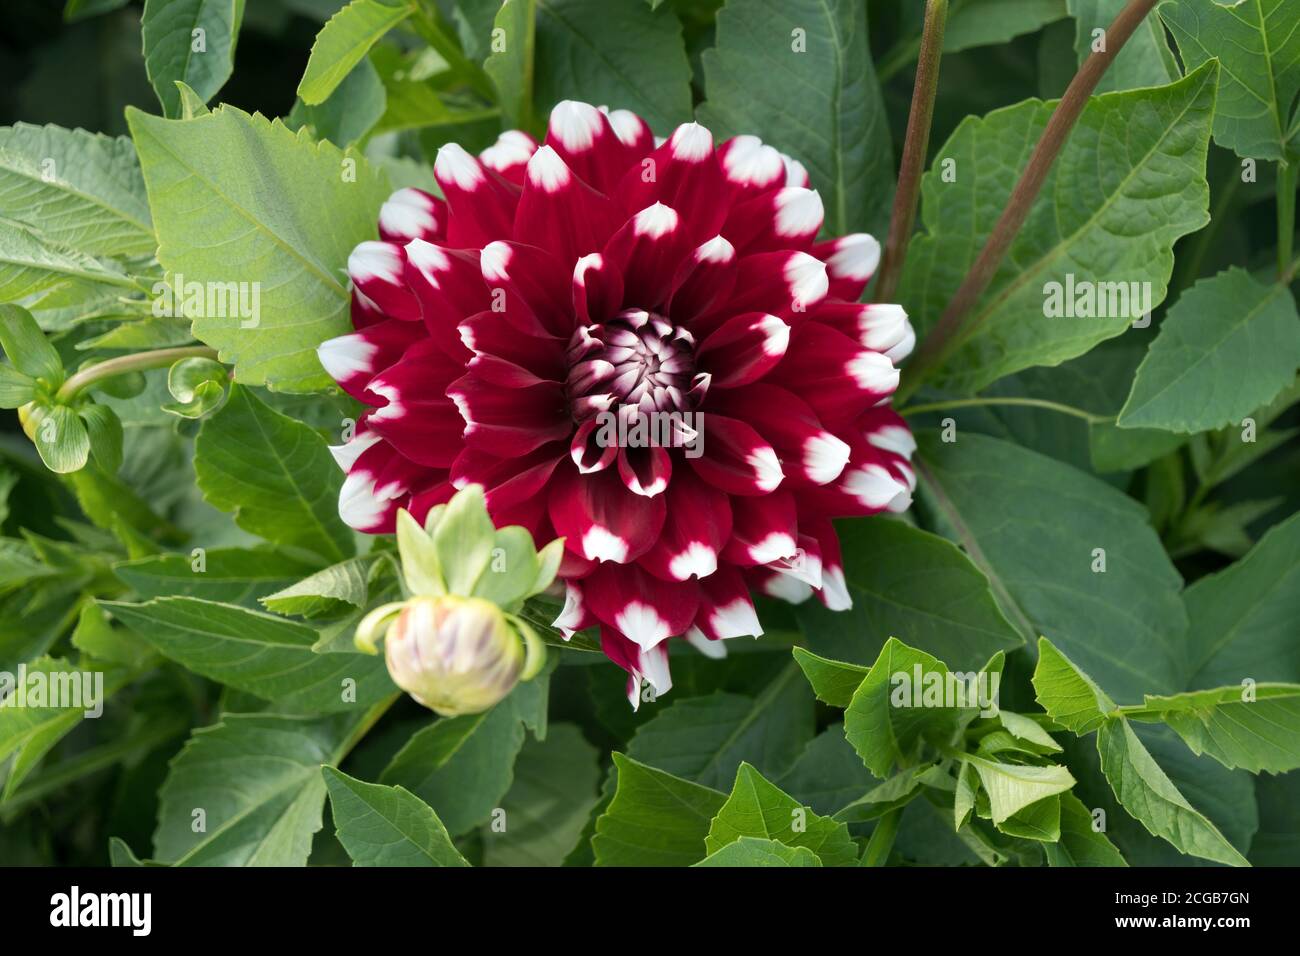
(915, 146)
(881, 840)
(139, 362)
(1288, 177)
(1088, 417)
(428, 23)
(952, 328)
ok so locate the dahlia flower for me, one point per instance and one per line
(607, 276)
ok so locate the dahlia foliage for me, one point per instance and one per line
(640, 346)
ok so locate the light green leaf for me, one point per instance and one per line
(1244, 617)
(705, 739)
(1032, 525)
(276, 475)
(1013, 787)
(350, 112)
(464, 537)
(512, 67)
(1080, 844)
(974, 23)
(834, 682)
(60, 437)
(254, 783)
(1027, 729)
(1229, 345)
(98, 640)
(912, 585)
(755, 851)
(1145, 60)
(192, 41)
(554, 789)
(328, 592)
(621, 55)
(344, 40)
(1258, 45)
(758, 808)
(1147, 793)
(256, 652)
(654, 819)
(104, 430)
(1255, 728)
(1128, 183)
(31, 263)
(26, 346)
(387, 826)
(1068, 694)
(236, 198)
(83, 189)
(817, 100)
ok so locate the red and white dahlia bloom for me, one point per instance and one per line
(599, 275)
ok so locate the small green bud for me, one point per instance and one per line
(454, 655)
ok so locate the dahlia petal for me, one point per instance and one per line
(736, 458)
(589, 453)
(449, 287)
(353, 360)
(805, 564)
(528, 287)
(808, 451)
(574, 616)
(775, 584)
(795, 172)
(696, 527)
(751, 167)
(743, 349)
(508, 357)
(645, 609)
(378, 484)
(874, 480)
(726, 609)
(851, 261)
(683, 173)
(632, 131)
(645, 471)
(509, 421)
(830, 371)
(597, 289)
(417, 418)
(600, 519)
(422, 502)
(482, 203)
(647, 251)
(585, 138)
(363, 312)
(508, 156)
(709, 648)
(561, 213)
(377, 271)
(834, 593)
(764, 529)
(412, 213)
(880, 327)
(786, 218)
(787, 284)
(704, 279)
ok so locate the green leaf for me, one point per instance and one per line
(1032, 525)
(1013, 787)
(198, 385)
(31, 263)
(834, 682)
(974, 23)
(26, 346)
(192, 41)
(1027, 729)
(512, 67)
(623, 55)
(758, 808)
(1254, 728)
(83, 189)
(227, 575)
(1128, 183)
(1145, 60)
(1258, 45)
(60, 437)
(1243, 618)
(1277, 842)
(104, 430)
(16, 388)
(655, 819)
(554, 789)
(350, 112)
(755, 851)
(344, 40)
(1147, 793)
(256, 652)
(269, 817)
(885, 727)
(912, 585)
(828, 773)
(237, 198)
(705, 739)
(798, 73)
(464, 537)
(461, 766)
(1229, 345)
(387, 826)
(275, 474)
(98, 640)
(1080, 844)
(1068, 694)
(328, 592)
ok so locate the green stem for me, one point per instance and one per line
(1088, 417)
(139, 362)
(881, 840)
(915, 147)
(428, 23)
(1290, 272)
(953, 329)
(1288, 177)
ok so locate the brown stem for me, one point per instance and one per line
(914, 149)
(950, 331)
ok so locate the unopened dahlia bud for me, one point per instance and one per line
(454, 655)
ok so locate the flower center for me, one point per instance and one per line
(637, 359)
